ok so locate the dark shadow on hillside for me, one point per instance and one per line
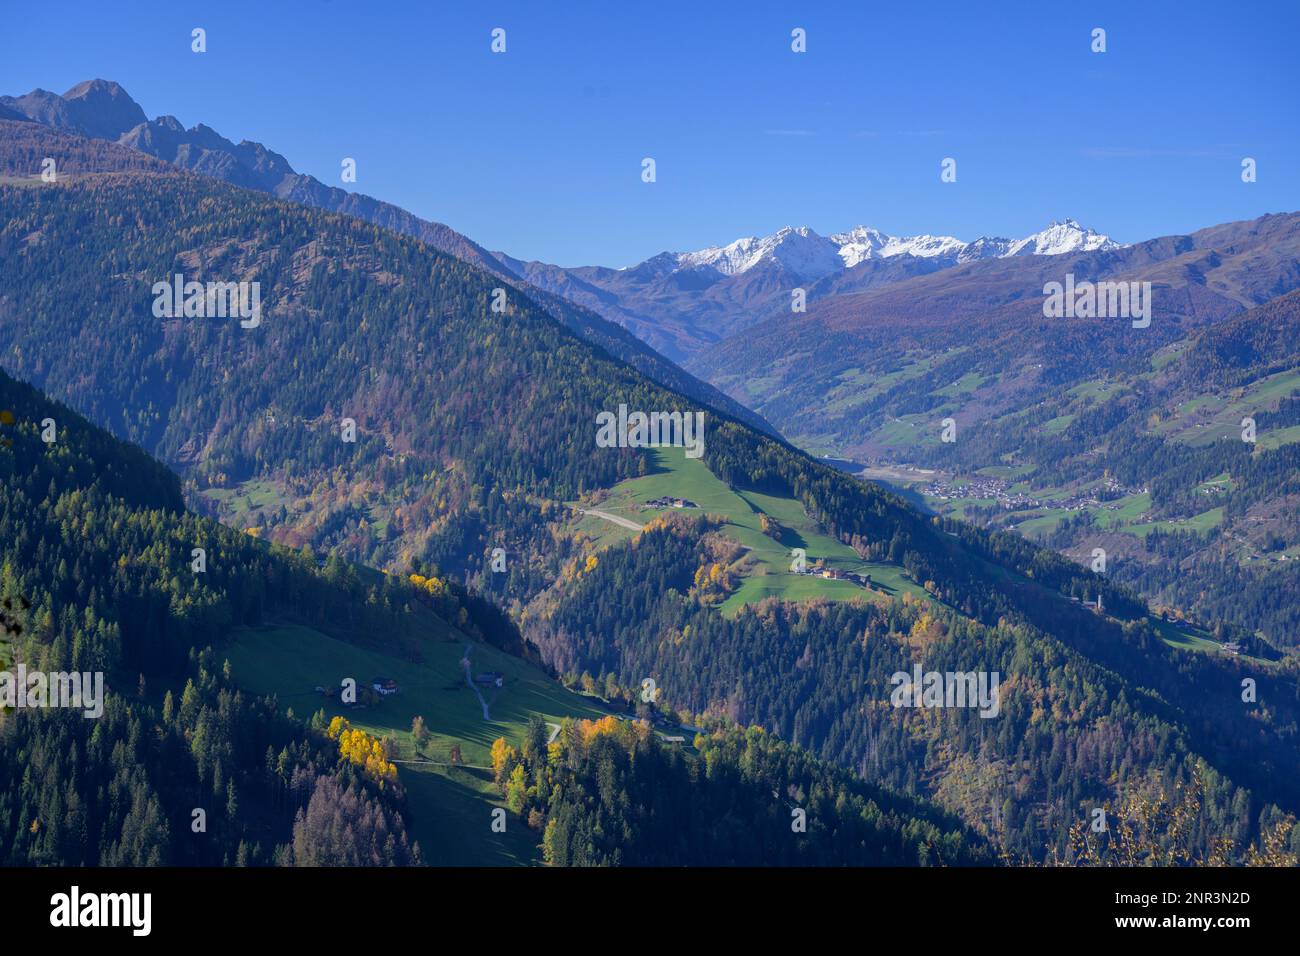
(452, 820)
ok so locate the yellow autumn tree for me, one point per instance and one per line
(504, 759)
(361, 749)
(594, 728)
(432, 585)
(926, 629)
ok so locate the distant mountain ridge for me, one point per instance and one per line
(103, 110)
(674, 303)
(96, 108)
(994, 309)
(685, 302)
(806, 253)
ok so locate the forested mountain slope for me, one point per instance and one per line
(1211, 431)
(102, 111)
(1179, 465)
(475, 427)
(97, 574)
(96, 560)
(470, 423)
(1091, 709)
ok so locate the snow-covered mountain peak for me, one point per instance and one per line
(863, 242)
(808, 255)
(1060, 237)
(798, 249)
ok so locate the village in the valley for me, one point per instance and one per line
(999, 490)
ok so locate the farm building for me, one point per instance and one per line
(670, 502)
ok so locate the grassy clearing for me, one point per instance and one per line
(239, 505)
(1222, 482)
(857, 386)
(1058, 424)
(1269, 389)
(1096, 389)
(1205, 521)
(1124, 511)
(968, 383)
(1042, 522)
(768, 559)
(1278, 437)
(1122, 515)
(1006, 471)
(911, 431)
(956, 507)
(290, 660)
(1194, 639)
(1210, 418)
(1167, 354)
(450, 815)
(450, 807)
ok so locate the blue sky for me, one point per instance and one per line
(538, 151)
